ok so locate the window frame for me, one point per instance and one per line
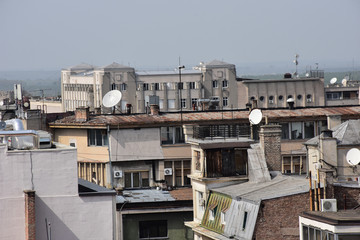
(225, 84)
(225, 101)
(146, 225)
(140, 180)
(215, 84)
(93, 137)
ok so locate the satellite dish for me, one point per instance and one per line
(290, 100)
(343, 82)
(353, 156)
(2, 125)
(333, 80)
(112, 98)
(255, 116)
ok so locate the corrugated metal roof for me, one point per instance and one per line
(280, 186)
(144, 195)
(213, 117)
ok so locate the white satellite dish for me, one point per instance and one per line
(255, 116)
(290, 100)
(112, 98)
(333, 80)
(353, 156)
(343, 82)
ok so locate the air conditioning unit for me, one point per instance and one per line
(328, 205)
(271, 101)
(167, 171)
(308, 100)
(118, 174)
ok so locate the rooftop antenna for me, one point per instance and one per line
(111, 99)
(353, 157)
(296, 64)
(333, 80)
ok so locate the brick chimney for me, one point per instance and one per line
(82, 114)
(154, 109)
(30, 215)
(270, 141)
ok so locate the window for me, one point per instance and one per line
(225, 101)
(201, 204)
(118, 77)
(161, 103)
(194, 102)
(215, 84)
(156, 86)
(171, 103)
(299, 97)
(192, 85)
(153, 229)
(97, 137)
(183, 103)
(309, 129)
(293, 164)
(281, 97)
(197, 161)
(123, 87)
(296, 130)
(136, 179)
(172, 135)
(333, 95)
(146, 86)
(213, 213)
(222, 218)
(262, 98)
(225, 84)
(113, 86)
(244, 220)
(181, 168)
(181, 85)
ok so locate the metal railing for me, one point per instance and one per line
(221, 131)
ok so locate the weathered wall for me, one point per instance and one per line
(278, 218)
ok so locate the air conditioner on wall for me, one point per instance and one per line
(168, 171)
(118, 174)
(328, 205)
(271, 101)
(308, 100)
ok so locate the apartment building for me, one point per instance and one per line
(212, 83)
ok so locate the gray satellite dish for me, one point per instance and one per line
(112, 98)
(333, 80)
(255, 116)
(353, 156)
(2, 125)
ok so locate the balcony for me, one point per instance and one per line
(213, 132)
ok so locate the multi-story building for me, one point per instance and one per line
(213, 83)
(41, 196)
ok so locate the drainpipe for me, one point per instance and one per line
(110, 165)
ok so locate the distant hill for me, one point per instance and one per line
(50, 82)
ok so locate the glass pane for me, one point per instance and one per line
(309, 129)
(296, 130)
(179, 135)
(145, 179)
(166, 135)
(330, 236)
(128, 180)
(284, 131)
(305, 233)
(136, 179)
(349, 237)
(91, 137)
(105, 140)
(318, 234)
(311, 234)
(98, 138)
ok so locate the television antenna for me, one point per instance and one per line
(255, 116)
(333, 80)
(296, 64)
(111, 98)
(353, 156)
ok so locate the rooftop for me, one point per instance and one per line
(280, 186)
(342, 217)
(209, 117)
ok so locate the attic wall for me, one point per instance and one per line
(277, 218)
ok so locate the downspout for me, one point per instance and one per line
(307, 162)
(110, 166)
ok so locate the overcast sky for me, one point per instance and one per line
(54, 34)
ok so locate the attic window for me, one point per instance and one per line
(222, 216)
(212, 213)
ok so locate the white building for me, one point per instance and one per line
(85, 85)
(40, 195)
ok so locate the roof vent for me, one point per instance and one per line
(287, 75)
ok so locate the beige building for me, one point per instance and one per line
(207, 84)
(277, 93)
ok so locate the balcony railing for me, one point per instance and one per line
(221, 131)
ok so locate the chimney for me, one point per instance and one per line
(328, 147)
(270, 141)
(30, 215)
(154, 109)
(333, 121)
(97, 110)
(128, 108)
(82, 114)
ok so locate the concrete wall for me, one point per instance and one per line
(52, 174)
(135, 144)
(175, 224)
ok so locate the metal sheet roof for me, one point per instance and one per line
(280, 186)
(211, 117)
